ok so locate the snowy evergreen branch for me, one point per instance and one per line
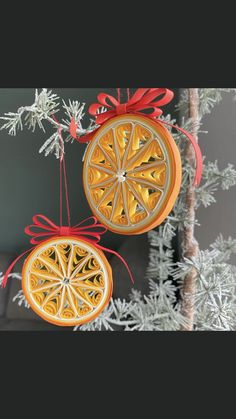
(46, 105)
(21, 300)
(215, 305)
(13, 276)
(53, 145)
(213, 179)
(209, 98)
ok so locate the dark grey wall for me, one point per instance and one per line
(29, 181)
(219, 144)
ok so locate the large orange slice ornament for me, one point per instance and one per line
(132, 174)
(67, 281)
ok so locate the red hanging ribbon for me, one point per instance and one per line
(43, 228)
(143, 99)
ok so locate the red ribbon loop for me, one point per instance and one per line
(43, 228)
(143, 99)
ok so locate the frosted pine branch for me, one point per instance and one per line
(45, 104)
(213, 179)
(224, 247)
(209, 98)
(20, 299)
(73, 110)
(14, 121)
(40, 113)
(53, 145)
(12, 276)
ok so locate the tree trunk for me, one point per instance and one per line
(189, 243)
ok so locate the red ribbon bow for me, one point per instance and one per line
(142, 99)
(89, 229)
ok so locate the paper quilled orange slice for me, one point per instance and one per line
(67, 281)
(132, 174)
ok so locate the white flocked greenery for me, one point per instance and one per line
(160, 310)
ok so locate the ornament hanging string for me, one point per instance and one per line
(143, 99)
(127, 92)
(118, 94)
(62, 168)
(43, 228)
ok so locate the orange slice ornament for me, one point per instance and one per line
(132, 174)
(67, 281)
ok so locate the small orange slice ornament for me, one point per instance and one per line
(67, 281)
(132, 173)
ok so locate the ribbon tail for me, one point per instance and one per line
(73, 128)
(4, 282)
(86, 138)
(121, 259)
(198, 153)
